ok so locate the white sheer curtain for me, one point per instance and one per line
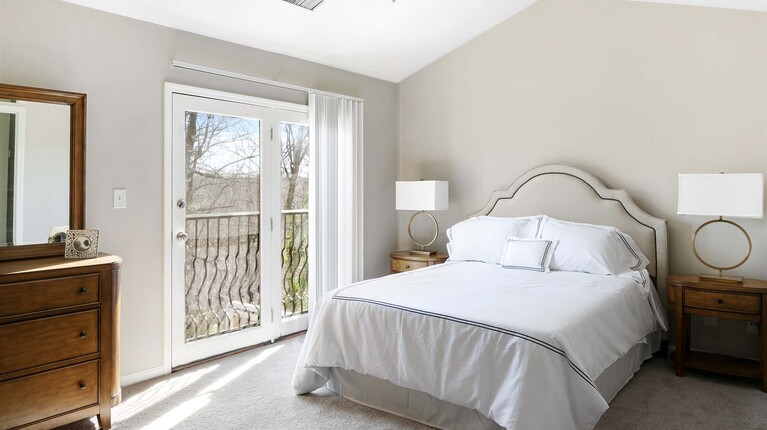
(336, 197)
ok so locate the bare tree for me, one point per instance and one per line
(222, 162)
(295, 149)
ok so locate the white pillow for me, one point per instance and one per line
(596, 249)
(483, 238)
(528, 254)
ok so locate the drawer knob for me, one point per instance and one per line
(720, 300)
(407, 266)
(83, 386)
(83, 334)
(83, 290)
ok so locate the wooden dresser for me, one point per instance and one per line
(59, 341)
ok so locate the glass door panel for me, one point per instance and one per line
(294, 144)
(219, 268)
(222, 264)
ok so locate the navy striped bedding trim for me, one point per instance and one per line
(639, 260)
(501, 330)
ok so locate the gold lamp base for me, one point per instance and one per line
(713, 277)
(423, 250)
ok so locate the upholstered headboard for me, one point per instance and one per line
(571, 194)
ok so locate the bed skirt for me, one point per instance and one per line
(426, 409)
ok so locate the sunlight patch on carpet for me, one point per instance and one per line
(236, 373)
(178, 414)
(158, 392)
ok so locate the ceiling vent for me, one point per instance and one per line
(306, 4)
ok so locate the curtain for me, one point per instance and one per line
(336, 194)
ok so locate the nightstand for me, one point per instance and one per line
(403, 261)
(689, 295)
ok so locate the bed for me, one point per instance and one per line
(474, 345)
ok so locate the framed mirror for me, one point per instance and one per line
(42, 179)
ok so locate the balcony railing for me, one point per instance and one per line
(223, 271)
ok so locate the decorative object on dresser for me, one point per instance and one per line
(422, 196)
(404, 261)
(737, 195)
(82, 244)
(693, 295)
(59, 341)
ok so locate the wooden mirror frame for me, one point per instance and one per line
(76, 103)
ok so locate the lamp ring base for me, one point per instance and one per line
(410, 230)
(720, 268)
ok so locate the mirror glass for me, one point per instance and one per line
(34, 172)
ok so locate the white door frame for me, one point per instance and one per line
(168, 242)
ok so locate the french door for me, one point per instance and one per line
(240, 223)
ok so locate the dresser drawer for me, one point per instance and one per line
(398, 265)
(42, 395)
(34, 296)
(48, 340)
(728, 302)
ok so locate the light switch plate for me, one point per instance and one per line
(120, 198)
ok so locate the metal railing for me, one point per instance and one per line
(223, 271)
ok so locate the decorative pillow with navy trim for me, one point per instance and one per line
(483, 238)
(589, 248)
(528, 254)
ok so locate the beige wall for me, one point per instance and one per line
(632, 92)
(121, 64)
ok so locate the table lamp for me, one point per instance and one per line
(732, 195)
(422, 196)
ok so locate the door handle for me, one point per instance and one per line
(182, 236)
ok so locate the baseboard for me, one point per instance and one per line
(144, 375)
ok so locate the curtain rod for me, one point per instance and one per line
(217, 72)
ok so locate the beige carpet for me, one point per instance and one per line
(252, 390)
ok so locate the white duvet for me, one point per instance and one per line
(522, 348)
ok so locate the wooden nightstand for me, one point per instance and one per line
(688, 295)
(403, 261)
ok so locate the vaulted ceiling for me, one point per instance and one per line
(385, 39)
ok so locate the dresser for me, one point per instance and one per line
(404, 261)
(690, 295)
(59, 341)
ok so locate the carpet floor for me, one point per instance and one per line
(251, 390)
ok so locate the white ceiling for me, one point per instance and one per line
(377, 38)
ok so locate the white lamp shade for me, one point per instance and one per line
(733, 195)
(421, 195)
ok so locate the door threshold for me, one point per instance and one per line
(235, 352)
